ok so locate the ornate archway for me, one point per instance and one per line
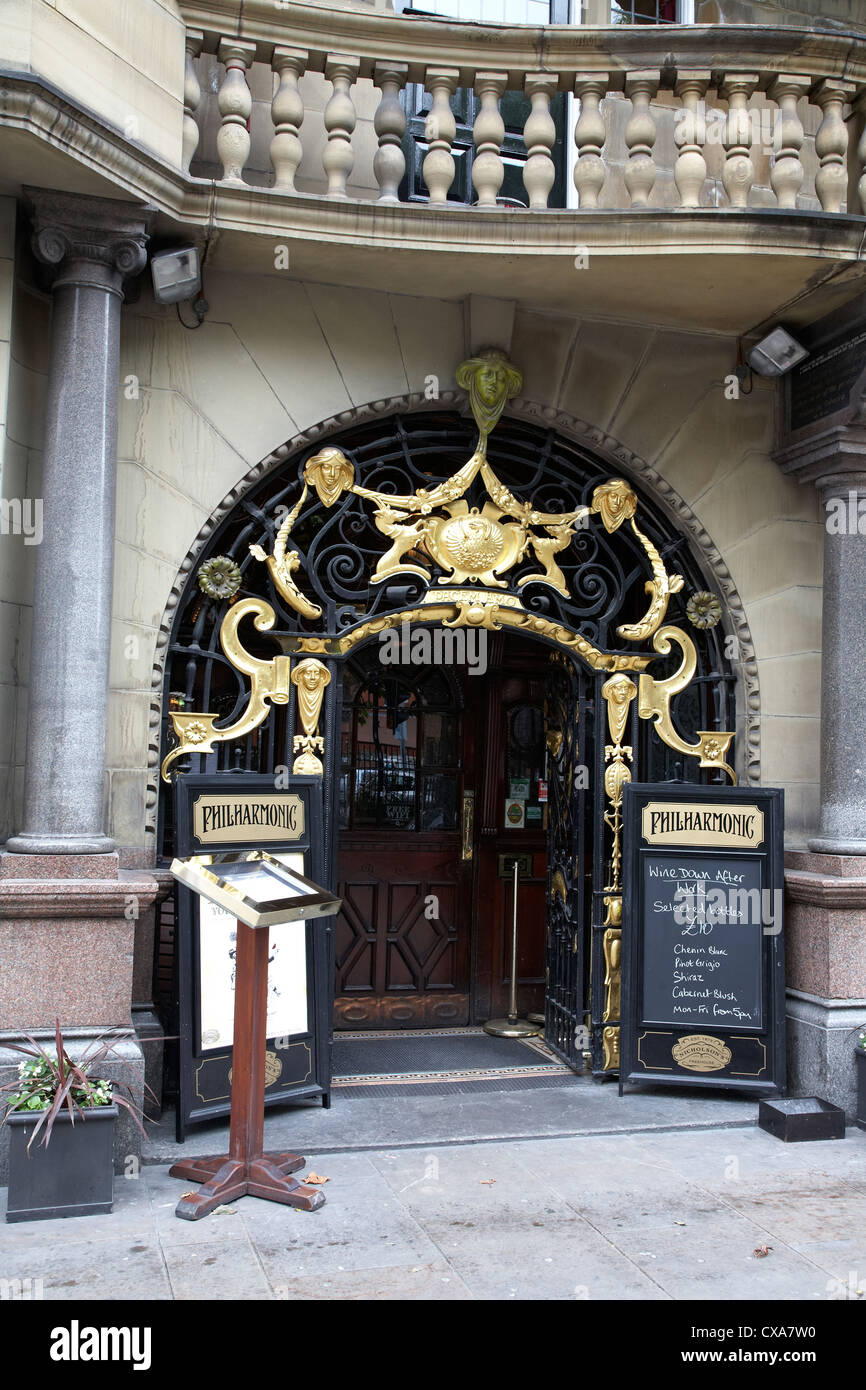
(418, 517)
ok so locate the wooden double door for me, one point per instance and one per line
(444, 780)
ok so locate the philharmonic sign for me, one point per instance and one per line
(703, 955)
(219, 819)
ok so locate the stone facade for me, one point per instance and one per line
(628, 319)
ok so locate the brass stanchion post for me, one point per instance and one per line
(512, 1026)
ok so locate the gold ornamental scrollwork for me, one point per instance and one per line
(269, 685)
(654, 702)
(471, 545)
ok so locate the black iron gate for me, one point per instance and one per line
(569, 746)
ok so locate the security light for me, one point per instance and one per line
(176, 275)
(776, 354)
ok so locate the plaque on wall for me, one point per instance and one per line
(702, 942)
(825, 389)
(222, 817)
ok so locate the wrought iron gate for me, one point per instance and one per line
(509, 527)
(568, 732)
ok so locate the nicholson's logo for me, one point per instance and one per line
(700, 1052)
(77, 1343)
(219, 819)
(727, 827)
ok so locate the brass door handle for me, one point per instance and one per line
(467, 825)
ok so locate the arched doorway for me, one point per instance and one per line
(568, 600)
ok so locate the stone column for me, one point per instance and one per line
(836, 464)
(93, 244)
(842, 827)
(826, 885)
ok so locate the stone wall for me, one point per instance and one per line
(125, 62)
(277, 356)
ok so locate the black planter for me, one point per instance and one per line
(73, 1176)
(860, 1120)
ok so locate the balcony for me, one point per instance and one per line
(718, 172)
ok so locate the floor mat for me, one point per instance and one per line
(428, 1060)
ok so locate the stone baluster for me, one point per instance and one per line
(787, 173)
(389, 123)
(235, 104)
(690, 136)
(488, 171)
(738, 174)
(287, 113)
(831, 142)
(539, 134)
(338, 158)
(191, 95)
(589, 88)
(640, 136)
(439, 131)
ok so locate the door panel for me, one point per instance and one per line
(402, 949)
(512, 751)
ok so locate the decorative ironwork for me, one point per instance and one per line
(567, 728)
(542, 543)
(655, 701)
(309, 678)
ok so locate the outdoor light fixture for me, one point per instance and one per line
(776, 354)
(176, 275)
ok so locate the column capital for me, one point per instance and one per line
(90, 241)
(833, 459)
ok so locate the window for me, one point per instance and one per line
(400, 763)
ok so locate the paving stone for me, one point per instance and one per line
(90, 1269)
(715, 1260)
(561, 1258)
(407, 1283)
(220, 1270)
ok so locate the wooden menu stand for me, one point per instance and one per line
(245, 1170)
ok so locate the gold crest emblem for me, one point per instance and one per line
(700, 1052)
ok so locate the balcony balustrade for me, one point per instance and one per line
(308, 100)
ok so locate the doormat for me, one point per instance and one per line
(438, 1061)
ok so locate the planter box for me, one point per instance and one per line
(74, 1176)
(860, 1120)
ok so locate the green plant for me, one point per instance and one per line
(860, 1044)
(48, 1083)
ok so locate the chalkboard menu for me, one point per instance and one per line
(703, 945)
(228, 811)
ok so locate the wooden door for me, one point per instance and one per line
(511, 770)
(402, 948)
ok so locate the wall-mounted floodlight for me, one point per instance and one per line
(176, 275)
(776, 354)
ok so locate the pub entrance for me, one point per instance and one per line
(608, 661)
(448, 772)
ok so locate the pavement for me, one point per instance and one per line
(672, 1204)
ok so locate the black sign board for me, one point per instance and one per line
(825, 388)
(703, 972)
(235, 811)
